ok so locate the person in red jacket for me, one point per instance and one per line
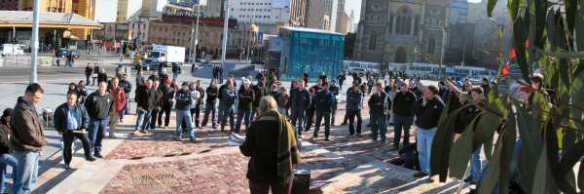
(120, 101)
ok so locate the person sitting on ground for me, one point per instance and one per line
(271, 143)
(71, 121)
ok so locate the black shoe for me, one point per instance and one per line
(90, 158)
(326, 139)
(67, 167)
(420, 174)
(98, 155)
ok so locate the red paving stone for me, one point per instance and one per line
(217, 174)
(163, 143)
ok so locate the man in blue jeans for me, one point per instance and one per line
(404, 104)
(184, 101)
(99, 105)
(246, 96)
(377, 106)
(27, 139)
(428, 111)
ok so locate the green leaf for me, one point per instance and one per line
(508, 148)
(443, 140)
(461, 151)
(541, 173)
(493, 171)
(485, 129)
(531, 145)
(579, 25)
(490, 7)
(581, 175)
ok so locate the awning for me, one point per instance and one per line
(23, 19)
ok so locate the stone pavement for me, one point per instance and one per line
(156, 163)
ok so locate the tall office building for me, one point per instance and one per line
(128, 9)
(322, 14)
(459, 11)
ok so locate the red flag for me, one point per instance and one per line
(527, 44)
(513, 54)
(506, 69)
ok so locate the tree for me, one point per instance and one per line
(545, 134)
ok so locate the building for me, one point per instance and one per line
(259, 11)
(214, 8)
(322, 14)
(176, 30)
(128, 9)
(459, 11)
(9, 5)
(55, 28)
(401, 31)
(118, 31)
(344, 23)
(298, 10)
(62, 6)
(312, 51)
(153, 8)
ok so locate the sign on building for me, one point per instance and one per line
(280, 3)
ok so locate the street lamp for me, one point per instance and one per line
(225, 33)
(195, 41)
(35, 40)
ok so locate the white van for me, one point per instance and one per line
(12, 49)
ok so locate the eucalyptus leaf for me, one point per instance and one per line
(461, 151)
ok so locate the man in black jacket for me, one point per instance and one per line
(124, 83)
(300, 100)
(5, 149)
(167, 92)
(88, 73)
(145, 103)
(324, 100)
(354, 107)
(259, 90)
(377, 103)
(99, 105)
(246, 97)
(428, 111)
(404, 104)
(156, 111)
(71, 120)
(211, 104)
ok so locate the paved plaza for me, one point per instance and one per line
(156, 163)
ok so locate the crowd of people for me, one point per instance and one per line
(259, 104)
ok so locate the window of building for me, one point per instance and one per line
(431, 45)
(372, 41)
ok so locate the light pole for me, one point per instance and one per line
(444, 38)
(196, 43)
(35, 40)
(225, 33)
